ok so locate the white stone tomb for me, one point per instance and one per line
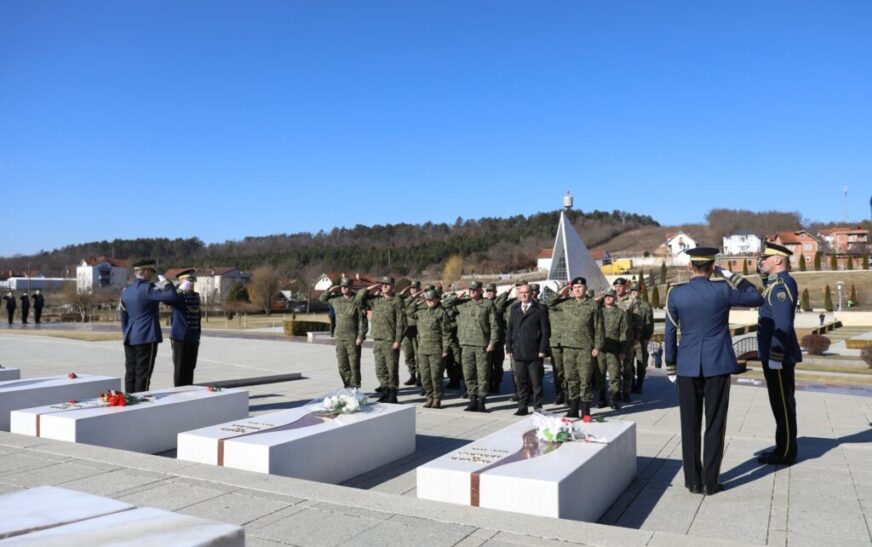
(307, 443)
(512, 470)
(150, 426)
(16, 394)
(7, 374)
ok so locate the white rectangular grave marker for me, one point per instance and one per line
(513, 470)
(307, 443)
(7, 374)
(16, 394)
(151, 425)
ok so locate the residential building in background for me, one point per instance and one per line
(742, 242)
(97, 273)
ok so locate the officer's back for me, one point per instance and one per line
(140, 320)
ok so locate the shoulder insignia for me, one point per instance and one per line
(782, 296)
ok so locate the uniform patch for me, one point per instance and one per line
(782, 296)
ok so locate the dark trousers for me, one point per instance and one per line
(37, 314)
(497, 356)
(10, 313)
(781, 385)
(713, 395)
(138, 365)
(184, 362)
(24, 313)
(529, 376)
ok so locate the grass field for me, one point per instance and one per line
(84, 336)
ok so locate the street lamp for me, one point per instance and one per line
(840, 287)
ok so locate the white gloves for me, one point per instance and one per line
(775, 365)
(726, 274)
(672, 377)
(161, 278)
(186, 285)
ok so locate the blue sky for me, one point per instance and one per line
(222, 119)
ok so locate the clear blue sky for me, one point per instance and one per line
(222, 119)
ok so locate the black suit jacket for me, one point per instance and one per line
(527, 334)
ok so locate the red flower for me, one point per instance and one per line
(586, 418)
(72, 376)
(71, 401)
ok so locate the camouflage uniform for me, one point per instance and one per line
(410, 340)
(617, 328)
(631, 306)
(646, 329)
(476, 328)
(452, 361)
(388, 326)
(351, 325)
(582, 332)
(558, 326)
(434, 339)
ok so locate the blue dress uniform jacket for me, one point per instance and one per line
(700, 308)
(186, 317)
(776, 338)
(139, 311)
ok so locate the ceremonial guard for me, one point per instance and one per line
(704, 361)
(10, 306)
(185, 331)
(527, 335)
(631, 306)
(388, 328)
(477, 333)
(410, 339)
(615, 348)
(25, 307)
(779, 349)
(646, 330)
(434, 338)
(38, 304)
(350, 331)
(583, 338)
(140, 323)
(498, 355)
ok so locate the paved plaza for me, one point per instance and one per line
(826, 498)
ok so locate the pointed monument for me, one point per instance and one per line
(571, 258)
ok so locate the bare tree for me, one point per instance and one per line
(263, 287)
(81, 302)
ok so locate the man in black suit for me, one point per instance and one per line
(527, 335)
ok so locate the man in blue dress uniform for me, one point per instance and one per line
(140, 324)
(779, 348)
(185, 332)
(704, 361)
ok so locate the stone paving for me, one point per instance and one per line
(825, 497)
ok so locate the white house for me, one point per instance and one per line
(358, 280)
(679, 242)
(742, 242)
(101, 272)
(214, 284)
(544, 259)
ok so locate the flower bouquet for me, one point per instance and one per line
(119, 398)
(553, 429)
(343, 401)
(72, 376)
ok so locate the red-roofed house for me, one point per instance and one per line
(799, 242)
(101, 272)
(358, 280)
(846, 240)
(679, 242)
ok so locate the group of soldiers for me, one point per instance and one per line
(38, 305)
(598, 343)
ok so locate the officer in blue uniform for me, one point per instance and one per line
(185, 332)
(779, 348)
(140, 324)
(704, 361)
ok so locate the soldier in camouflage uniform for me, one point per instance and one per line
(452, 361)
(388, 327)
(350, 332)
(631, 306)
(583, 339)
(617, 328)
(434, 340)
(558, 326)
(646, 329)
(477, 332)
(498, 355)
(410, 339)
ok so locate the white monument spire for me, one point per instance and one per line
(570, 257)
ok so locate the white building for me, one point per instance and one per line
(99, 273)
(679, 242)
(544, 259)
(742, 242)
(214, 284)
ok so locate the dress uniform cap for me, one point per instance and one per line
(345, 282)
(702, 254)
(146, 264)
(187, 274)
(430, 294)
(475, 286)
(387, 280)
(776, 249)
(492, 287)
(620, 281)
(579, 281)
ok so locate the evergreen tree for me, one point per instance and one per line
(804, 301)
(652, 281)
(645, 294)
(801, 260)
(865, 259)
(817, 261)
(663, 272)
(744, 267)
(828, 299)
(655, 298)
(853, 299)
(850, 262)
(834, 265)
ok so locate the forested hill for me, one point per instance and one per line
(486, 244)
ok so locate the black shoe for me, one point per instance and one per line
(711, 490)
(392, 396)
(585, 409)
(773, 459)
(480, 407)
(694, 488)
(379, 389)
(410, 381)
(561, 398)
(521, 411)
(473, 404)
(514, 398)
(384, 397)
(573, 409)
(418, 381)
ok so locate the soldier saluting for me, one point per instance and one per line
(350, 331)
(388, 328)
(615, 348)
(478, 333)
(185, 332)
(434, 338)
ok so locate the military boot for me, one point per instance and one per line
(561, 398)
(480, 407)
(429, 403)
(585, 409)
(384, 396)
(473, 404)
(417, 380)
(392, 396)
(437, 403)
(573, 409)
(616, 401)
(411, 381)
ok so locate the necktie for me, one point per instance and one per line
(525, 308)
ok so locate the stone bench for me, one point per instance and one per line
(512, 470)
(48, 516)
(150, 426)
(306, 443)
(17, 394)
